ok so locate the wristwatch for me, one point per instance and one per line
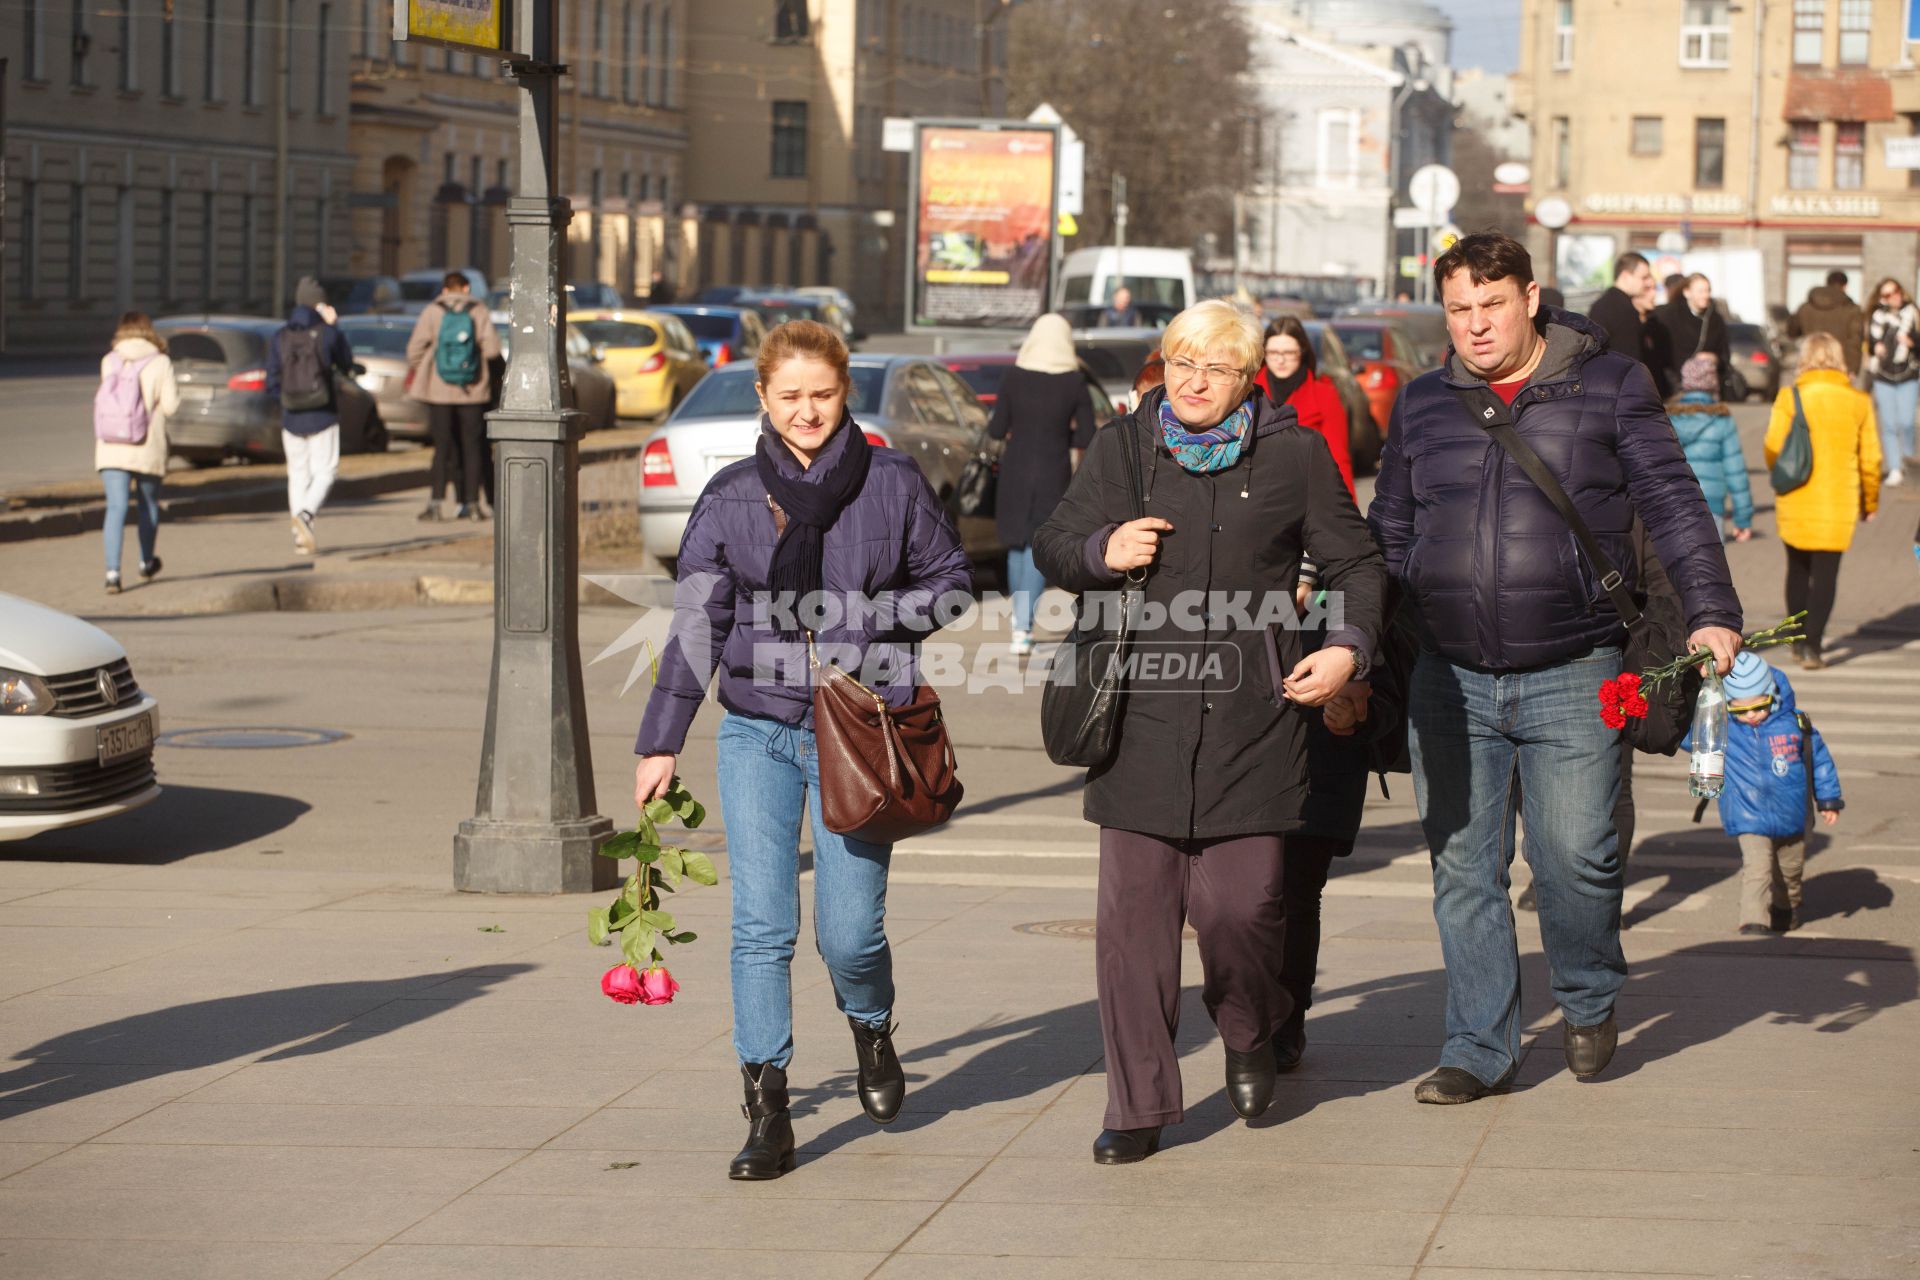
(1360, 663)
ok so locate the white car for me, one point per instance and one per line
(76, 730)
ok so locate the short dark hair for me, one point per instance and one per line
(1675, 282)
(1629, 261)
(1486, 256)
(1290, 326)
(1838, 279)
(455, 280)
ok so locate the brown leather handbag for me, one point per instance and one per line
(886, 773)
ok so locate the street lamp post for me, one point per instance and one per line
(534, 829)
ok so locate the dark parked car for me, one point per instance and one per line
(983, 372)
(724, 334)
(1330, 357)
(1423, 322)
(363, 295)
(220, 363)
(723, 295)
(1115, 357)
(1756, 362)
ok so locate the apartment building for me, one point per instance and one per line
(435, 136)
(1792, 126)
(786, 117)
(141, 159)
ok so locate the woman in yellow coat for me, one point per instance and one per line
(1817, 519)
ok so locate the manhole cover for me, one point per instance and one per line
(249, 739)
(1078, 929)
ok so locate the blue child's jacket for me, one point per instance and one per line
(1766, 788)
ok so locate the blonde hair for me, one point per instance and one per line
(802, 339)
(1822, 351)
(138, 324)
(1215, 325)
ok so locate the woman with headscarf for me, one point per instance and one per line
(1045, 414)
(1208, 770)
(1290, 375)
(819, 516)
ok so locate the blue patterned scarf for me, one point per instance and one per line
(1214, 449)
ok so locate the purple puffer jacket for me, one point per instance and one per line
(894, 545)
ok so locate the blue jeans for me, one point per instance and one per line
(767, 771)
(120, 492)
(1486, 747)
(1894, 405)
(1024, 584)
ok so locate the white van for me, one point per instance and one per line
(1161, 281)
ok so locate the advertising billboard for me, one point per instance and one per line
(983, 224)
(482, 26)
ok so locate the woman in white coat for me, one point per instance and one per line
(130, 437)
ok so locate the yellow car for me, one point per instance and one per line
(652, 358)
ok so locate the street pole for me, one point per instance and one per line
(1753, 129)
(281, 228)
(534, 828)
(1119, 232)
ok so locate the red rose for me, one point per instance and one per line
(622, 983)
(657, 986)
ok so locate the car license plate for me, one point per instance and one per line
(128, 738)
(717, 461)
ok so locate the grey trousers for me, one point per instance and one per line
(1771, 871)
(1149, 888)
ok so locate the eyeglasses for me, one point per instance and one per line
(1185, 370)
(1751, 705)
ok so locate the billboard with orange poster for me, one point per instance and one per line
(983, 224)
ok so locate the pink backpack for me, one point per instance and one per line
(119, 408)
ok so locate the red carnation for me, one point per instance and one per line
(1613, 718)
(1610, 694)
(1629, 685)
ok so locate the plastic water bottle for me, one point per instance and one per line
(1707, 770)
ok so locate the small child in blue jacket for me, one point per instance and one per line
(1764, 803)
(1707, 435)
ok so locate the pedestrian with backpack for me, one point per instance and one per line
(447, 358)
(302, 360)
(137, 396)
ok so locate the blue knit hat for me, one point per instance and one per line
(1750, 678)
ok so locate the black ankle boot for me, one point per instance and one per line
(769, 1149)
(882, 1083)
(1250, 1080)
(1125, 1146)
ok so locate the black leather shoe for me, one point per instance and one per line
(1125, 1146)
(149, 569)
(1751, 929)
(1451, 1086)
(769, 1149)
(1590, 1049)
(1289, 1045)
(1250, 1080)
(882, 1083)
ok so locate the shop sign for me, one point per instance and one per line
(1664, 204)
(1825, 206)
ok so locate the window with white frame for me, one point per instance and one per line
(1803, 155)
(1706, 33)
(1339, 160)
(1809, 31)
(1856, 32)
(1849, 155)
(1647, 135)
(1562, 35)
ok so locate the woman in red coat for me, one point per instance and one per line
(1289, 377)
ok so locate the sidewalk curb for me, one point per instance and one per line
(268, 495)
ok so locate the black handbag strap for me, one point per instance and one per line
(1130, 458)
(1492, 413)
(1806, 760)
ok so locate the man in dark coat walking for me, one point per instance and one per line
(1625, 312)
(1518, 633)
(1828, 309)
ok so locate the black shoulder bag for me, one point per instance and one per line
(1086, 691)
(1655, 635)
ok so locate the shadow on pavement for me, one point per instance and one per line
(183, 822)
(207, 1033)
(1889, 631)
(1843, 893)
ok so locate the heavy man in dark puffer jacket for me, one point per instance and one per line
(1517, 635)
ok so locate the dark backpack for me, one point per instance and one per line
(456, 351)
(304, 380)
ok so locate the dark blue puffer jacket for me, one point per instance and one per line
(1498, 578)
(893, 544)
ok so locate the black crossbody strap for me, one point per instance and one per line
(1491, 412)
(1806, 760)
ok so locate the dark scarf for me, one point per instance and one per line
(1280, 390)
(812, 506)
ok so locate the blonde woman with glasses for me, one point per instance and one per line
(1209, 766)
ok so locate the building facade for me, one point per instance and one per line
(1349, 110)
(1780, 126)
(435, 140)
(787, 167)
(141, 160)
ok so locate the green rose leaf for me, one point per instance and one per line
(647, 853)
(682, 937)
(647, 831)
(637, 946)
(659, 809)
(671, 865)
(695, 815)
(619, 845)
(597, 927)
(699, 867)
(619, 911)
(658, 920)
